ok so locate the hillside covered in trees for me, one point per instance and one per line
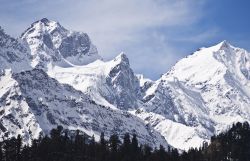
(233, 145)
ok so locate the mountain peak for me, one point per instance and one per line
(222, 45)
(43, 26)
(50, 42)
(122, 57)
(45, 20)
(47, 24)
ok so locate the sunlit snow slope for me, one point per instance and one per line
(206, 92)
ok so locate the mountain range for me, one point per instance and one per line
(52, 76)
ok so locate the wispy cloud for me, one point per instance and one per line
(147, 30)
(113, 23)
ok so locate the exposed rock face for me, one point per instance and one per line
(123, 83)
(52, 44)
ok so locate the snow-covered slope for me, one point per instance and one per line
(52, 44)
(205, 92)
(111, 83)
(33, 103)
(13, 54)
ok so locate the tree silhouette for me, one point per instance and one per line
(232, 145)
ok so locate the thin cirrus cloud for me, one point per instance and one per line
(146, 30)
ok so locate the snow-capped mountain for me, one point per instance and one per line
(52, 44)
(203, 93)
(52, 76)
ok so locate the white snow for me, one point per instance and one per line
(210, 91)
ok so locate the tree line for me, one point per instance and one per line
(232, 145)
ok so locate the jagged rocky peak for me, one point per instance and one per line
(122, 58)
(51, 43)
(223, 45)
(207, 62)
(47, 22)
(123, 82)
(45, 30)
(220, 48)
(44, 26)
(120, 63)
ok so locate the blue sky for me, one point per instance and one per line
(154, 34)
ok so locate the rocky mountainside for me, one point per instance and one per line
(111, 83)
(14, 55)
(63, 80)
(52, 44)
(32, 103)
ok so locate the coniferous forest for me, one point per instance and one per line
(233, 145)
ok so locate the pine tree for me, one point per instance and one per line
(135, 151)
(161, 154)
(10, 150)
(25, 155)
(135, 145)
(102, 150)
(114, 143)
(18, 147)
(1, 152)
(233, 145)
(102, 139)
(126, 148)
